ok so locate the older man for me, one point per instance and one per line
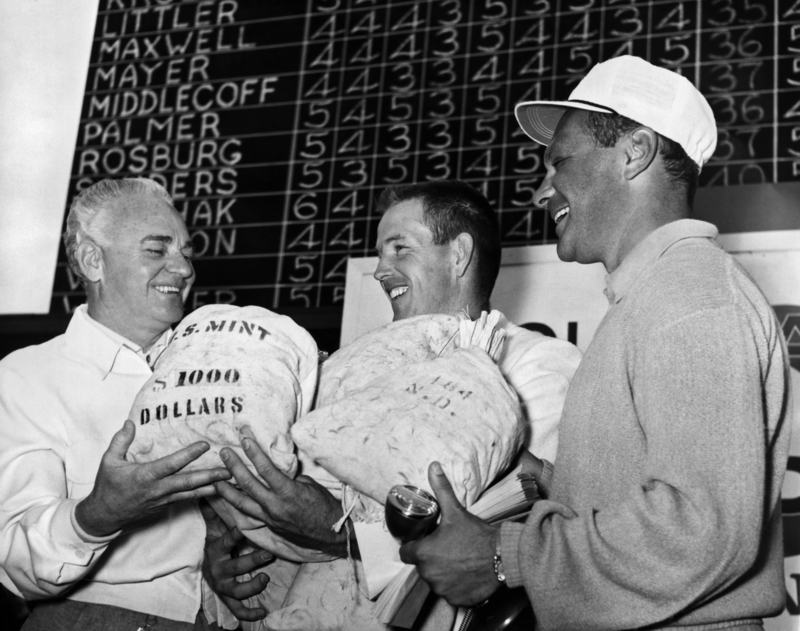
(665, 503)
(95, 541)
(439, 252)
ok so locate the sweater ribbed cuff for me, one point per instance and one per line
(510, 535)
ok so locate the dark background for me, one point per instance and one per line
(275, 124)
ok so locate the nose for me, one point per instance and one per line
(180, 265)
(543, 193)
(383, 270)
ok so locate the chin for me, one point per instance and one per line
(403, 313)
(565, 253)
(171, 316)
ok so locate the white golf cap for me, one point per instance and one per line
(657, 98)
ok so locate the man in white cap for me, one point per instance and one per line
(665, 500)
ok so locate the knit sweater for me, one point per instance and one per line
(665, 504)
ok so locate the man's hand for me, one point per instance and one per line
(220, 567)
(456, 560)
(299, 510)
(125, 492)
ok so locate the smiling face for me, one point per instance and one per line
(146, 270)
(581, 191)
(417, 276)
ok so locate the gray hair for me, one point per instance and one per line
(87, 218)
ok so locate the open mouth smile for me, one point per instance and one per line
(167, 289)
(396, 292)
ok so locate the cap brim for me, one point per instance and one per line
(539, 119)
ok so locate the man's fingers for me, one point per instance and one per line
(173, 463)
(215, 527)
(246, 589)
(209, 514)
(194, 483)
(203, 491)
(240, 501)
(408, 552)
(448, 502)
(122, 440)
(222, 545)
(234, 592)
(242, 611)
(275, 479)
(249, 483)
(235, 465)
(247, 563)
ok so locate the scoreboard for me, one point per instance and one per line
(276, 123)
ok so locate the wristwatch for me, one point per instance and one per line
(498, 563)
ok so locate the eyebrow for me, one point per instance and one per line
(156, 237)
(163, 238)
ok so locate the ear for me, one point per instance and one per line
(640, 151)
(90, 260)
(462, 248)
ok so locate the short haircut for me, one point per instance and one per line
(88, 217)
(607, 129)
(450, 207)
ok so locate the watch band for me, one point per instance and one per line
(498, 563)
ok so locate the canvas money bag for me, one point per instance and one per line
(227, 368)
(380, 351)
(415, 391)
(389, 403)
(373, 354)
(326, 597)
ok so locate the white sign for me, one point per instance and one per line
(44, 60)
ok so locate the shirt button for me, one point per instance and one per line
(80, 554)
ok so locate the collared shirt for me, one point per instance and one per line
(651, 248)
(150, 356)
(60, 404)
(539, 369)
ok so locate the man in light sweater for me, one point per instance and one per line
(665, 501)
(91, 540)
(439, 252)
